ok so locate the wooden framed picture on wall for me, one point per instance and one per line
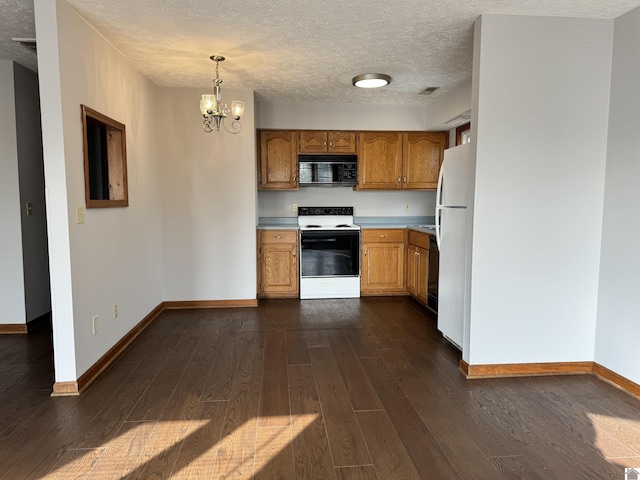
(105, 160)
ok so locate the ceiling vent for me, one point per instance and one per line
(429, 90)
(29, 43)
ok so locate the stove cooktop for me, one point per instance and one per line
(326, 218)
(330, 227)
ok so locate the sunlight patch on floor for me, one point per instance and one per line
(608, 430)
(136, 449)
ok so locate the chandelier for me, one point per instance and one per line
(215, 111)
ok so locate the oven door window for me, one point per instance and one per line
(330, 254)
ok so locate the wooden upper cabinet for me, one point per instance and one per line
(422, 156)
(380, 160)
(278, 160)
(316, 141)
(386, 160)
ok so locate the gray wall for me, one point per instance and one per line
(31, 179)
(24, 271)
(618, 323)
(541, 102)
(12, 307)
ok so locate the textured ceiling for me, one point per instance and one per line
(297, 49)
(16, 21)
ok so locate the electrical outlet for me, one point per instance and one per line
(94, 320)
(115, 310)
(406, 207)
(295, 207)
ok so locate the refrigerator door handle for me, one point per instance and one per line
(439, 187)
(438, 227)
(439, 205)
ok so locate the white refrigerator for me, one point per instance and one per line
(451, 236)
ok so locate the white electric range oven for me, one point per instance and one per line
(329, 253)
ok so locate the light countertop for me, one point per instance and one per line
(423, 228)
(420, 224)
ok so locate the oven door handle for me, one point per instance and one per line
(317, 240)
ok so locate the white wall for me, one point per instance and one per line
(12, 303)
(339, 116)
(116, 255)
(448, 106)
(366, 204)
(209, 200)
(345, 116)
(31, 171)
(541, 97)
(618, 326)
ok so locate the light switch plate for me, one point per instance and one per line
(80, 214)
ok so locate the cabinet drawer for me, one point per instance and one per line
(279, 236)
(419, 239)
(382, 235)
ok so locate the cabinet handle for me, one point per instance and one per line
(405, 179)
(383, 236)
(295, 178)
(365, 253)
(399, 180)
(294, 254)
(278, 236)
(324, 144)
(331, 144)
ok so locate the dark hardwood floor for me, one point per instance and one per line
(316, 389)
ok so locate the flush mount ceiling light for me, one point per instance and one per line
(215, 110)
(371, 80)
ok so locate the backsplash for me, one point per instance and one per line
(365, 203)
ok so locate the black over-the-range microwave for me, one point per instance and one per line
(327, 170)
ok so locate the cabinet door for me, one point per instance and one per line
(278, 160)
(412, 270)
(310, 141)
(379, 160)
(423, 273)
(278, 264)
(341, 142)
(422, 156)
(382, 268)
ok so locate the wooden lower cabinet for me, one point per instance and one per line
(278, 275)
(382, 271)
(417, 265)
